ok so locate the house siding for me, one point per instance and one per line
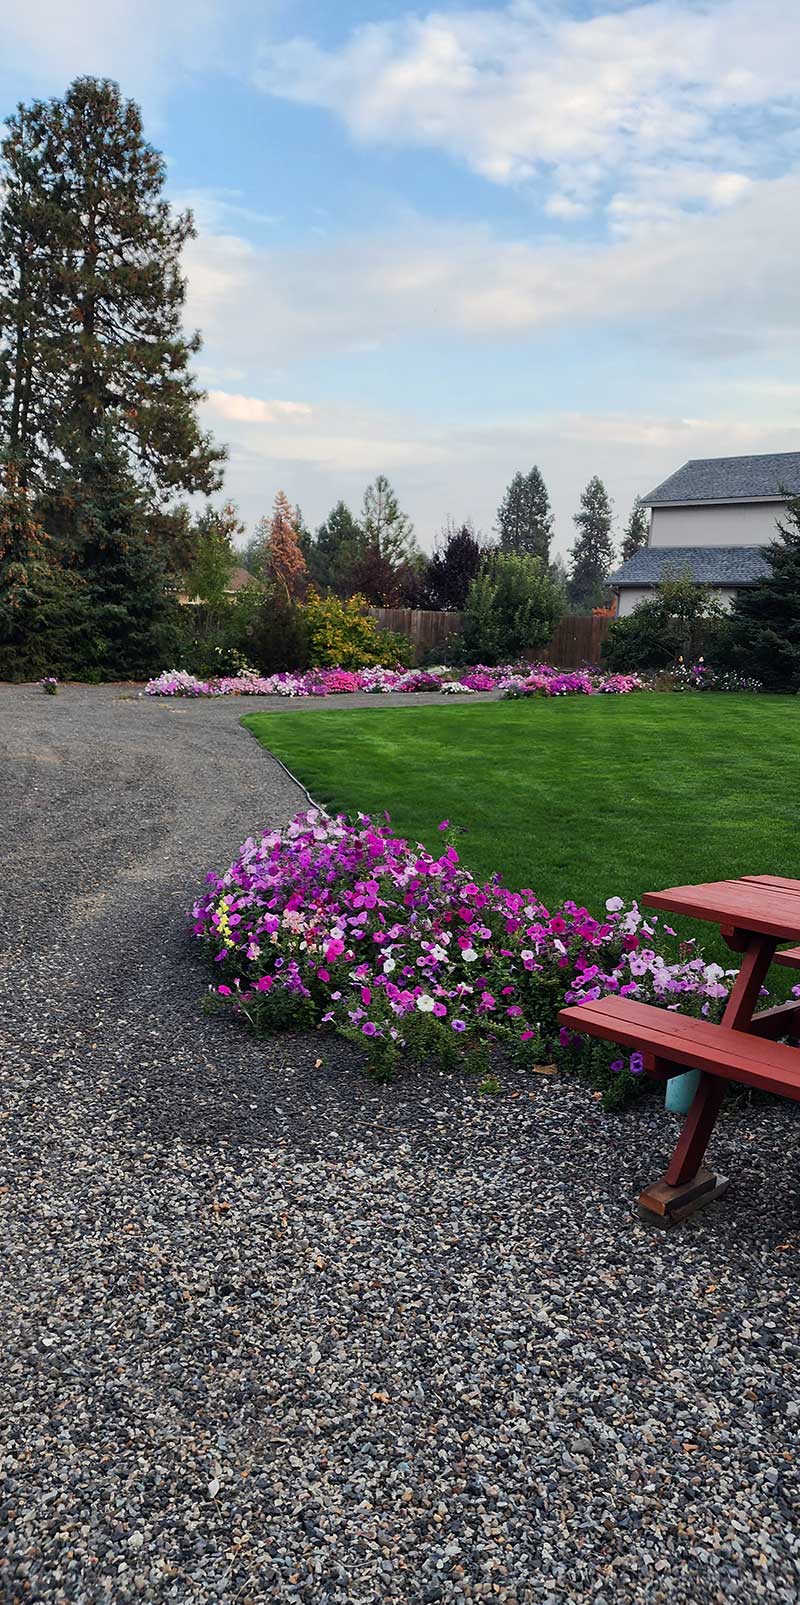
(736, 524)
(631, 595)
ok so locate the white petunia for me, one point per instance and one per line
(425, 1004)
(614, 904)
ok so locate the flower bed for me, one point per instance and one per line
(345, 925)
(541, 680)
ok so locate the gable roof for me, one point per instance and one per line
(239, 578)
(730, 479)
(708, 565)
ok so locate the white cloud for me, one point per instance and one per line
(524, 89)
(720, 283)
(252, 410)
(144, 43)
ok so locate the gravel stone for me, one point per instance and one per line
(271, 1332)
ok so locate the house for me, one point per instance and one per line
(711, 519)
(239, 578)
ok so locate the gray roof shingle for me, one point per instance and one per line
(720, 479)
(709, 565)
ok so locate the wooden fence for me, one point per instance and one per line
(577, 639)
(425, 630)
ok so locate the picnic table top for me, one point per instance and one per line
(766, 904)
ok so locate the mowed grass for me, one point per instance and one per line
(585, 798)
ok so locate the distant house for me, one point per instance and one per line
(240, 577)
(711, 519)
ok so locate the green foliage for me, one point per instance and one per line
(635, 533)
(43, 607)
(387, 530)
(274, 633)
(343, 634)
(92, 297)
(101, 520)
(513, 606)
(762, 635)
(524, 517)
(215, 558)
(681, 620)
(339, 543)
(593, 552)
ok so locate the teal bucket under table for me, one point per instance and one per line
(680, 1092)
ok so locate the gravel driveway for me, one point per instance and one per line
(271, 1333)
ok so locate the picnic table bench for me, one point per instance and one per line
(755, 914)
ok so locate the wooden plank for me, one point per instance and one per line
(718, 1050)
(790, 957)
(781, 1021)
(778, 882)
(769, 911)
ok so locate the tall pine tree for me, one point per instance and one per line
(635, 533)
(592, 555)
(387, 530)
(338, 546)
(92, 299)
(524, 517)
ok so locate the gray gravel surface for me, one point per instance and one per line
(272, 1333)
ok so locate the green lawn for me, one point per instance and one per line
(583, 798)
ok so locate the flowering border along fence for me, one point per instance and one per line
(541, 680)
(340, 924)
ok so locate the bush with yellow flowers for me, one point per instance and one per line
(343, 635)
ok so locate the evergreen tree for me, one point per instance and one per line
(43, 613)
(592, 555)
(636, 531)
(133, 617)
(304, 535)
(92, 298)
(765, 618)
(524, 517)
(30, 381)
(388, 530)
(215, 557)
(284, 562)
(338, 546)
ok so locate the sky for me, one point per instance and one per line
(450, 241)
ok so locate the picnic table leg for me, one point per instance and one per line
(686, 1185)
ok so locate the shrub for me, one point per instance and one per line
(342, 634)
(513, 606)
(681, 620)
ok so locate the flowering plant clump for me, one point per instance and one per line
(700, 676)
(49, 685)
(544, 681)
(343, 924)
(179, 683)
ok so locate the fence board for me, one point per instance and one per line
(578, 639)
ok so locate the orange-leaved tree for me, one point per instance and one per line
(284, 561)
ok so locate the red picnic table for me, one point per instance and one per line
(755, 914)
